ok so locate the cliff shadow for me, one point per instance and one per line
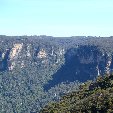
(80, 64)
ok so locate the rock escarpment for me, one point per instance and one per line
(83, 63)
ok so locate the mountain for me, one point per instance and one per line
(93, 97)
(35, 70)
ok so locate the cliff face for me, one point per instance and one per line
(35, 68)
(21, 52)
(75, 58)
(83, 63)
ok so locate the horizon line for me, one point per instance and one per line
(58, 36)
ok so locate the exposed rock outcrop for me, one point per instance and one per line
(15, 50)
(42, 54)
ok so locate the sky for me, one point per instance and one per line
(56, 17)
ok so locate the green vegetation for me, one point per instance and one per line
(34, 81)
(93, 97)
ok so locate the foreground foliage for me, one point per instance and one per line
(94, 97)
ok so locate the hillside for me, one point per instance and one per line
(35, 70)
(93, 97)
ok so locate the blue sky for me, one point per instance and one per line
(56, 17)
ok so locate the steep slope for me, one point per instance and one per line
(93, 97)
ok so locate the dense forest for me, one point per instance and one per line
(93, 97)
(35, 70)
